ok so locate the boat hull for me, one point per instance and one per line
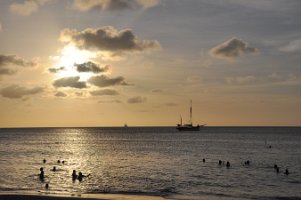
(189, 128)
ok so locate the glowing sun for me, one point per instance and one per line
(71, 55)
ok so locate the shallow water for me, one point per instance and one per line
(154, 161)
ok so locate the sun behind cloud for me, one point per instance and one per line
(69, 58)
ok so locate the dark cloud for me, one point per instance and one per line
(7, 61)
(232, 49)
(107, 38)
(104, 81)
(90, 67)
(104, 92)
(14, 60)
(16, 92)
(137, 99)
(86, 5)
(6, 71)
(72, 82)
(60, 94)
(56, 70)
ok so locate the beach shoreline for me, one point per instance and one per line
(48, 196)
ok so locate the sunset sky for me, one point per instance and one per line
(140, 62)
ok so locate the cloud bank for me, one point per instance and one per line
(104, 81)
(72, 82)
(16, 92)
(107, 39)
(86, 5)
(232, 49)
(27, 7)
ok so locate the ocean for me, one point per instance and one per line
(155, 161)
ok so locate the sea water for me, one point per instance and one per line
(159, 161)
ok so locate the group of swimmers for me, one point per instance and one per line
(247, 163)
(277, 169)
(79, 177)
(222, 162)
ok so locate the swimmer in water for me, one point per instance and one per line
(74, 175)
(41, 175)
(81, 176)
(228, 164)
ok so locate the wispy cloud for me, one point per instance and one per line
(110, 101)
(86, 5)
(137, 99)
(156, 91)
(16, 91)
(27, 7)
(232, 49)
(109, 92)
(292, 46)
(241, 80)
(60, 94)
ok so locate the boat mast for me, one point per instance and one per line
(191, 112)
(181, 119)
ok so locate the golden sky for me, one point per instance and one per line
(140, 62)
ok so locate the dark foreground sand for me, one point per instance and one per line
(81, 197)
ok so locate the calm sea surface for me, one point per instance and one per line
(154, 161)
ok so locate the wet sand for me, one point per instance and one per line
(8, 196)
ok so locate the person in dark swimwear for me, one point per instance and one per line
(41, 175)
(74, 175)
(81, 176)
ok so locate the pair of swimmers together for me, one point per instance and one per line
(80, 176)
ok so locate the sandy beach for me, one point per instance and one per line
(11, 196)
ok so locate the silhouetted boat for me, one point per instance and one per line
(189, 127)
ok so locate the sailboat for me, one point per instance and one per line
(189, 126)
